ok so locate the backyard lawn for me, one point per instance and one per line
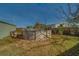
(57, 45)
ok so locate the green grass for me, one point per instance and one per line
(58, 45)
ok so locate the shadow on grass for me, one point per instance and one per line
(74, 51)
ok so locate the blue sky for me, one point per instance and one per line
(28, 14)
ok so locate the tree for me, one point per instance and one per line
(29, 27)
(70, 15)
(40, 26)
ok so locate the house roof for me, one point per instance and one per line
(7, 23)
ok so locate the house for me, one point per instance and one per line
(65, 24)
(34, 34)
(5, 29)
(31, 34)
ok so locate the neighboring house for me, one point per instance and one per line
(65, 24)
(5, 29)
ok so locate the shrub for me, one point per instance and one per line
(61, 29)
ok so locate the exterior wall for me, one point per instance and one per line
(5, 29)
(37, 35)
(29, 35)
(41, 35)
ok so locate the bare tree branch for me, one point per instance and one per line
(69, 10)
(77, 10)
